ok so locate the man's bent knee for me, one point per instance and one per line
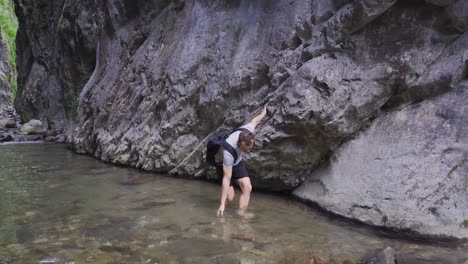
(248, 188)
(245, 185)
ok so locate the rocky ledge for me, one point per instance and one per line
(12, 131)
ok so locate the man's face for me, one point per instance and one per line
(246, 147)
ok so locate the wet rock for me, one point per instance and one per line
(33, 127)
(255, 252)
(147, 204)
(200, 247)
(430, 201)
(26, 234)
(294, 257)
(171, 227)
(61, 138)
(318, 260)
(50, 260)
(159, 202)
(338, 260)
(109, 232)
(155, 256)
(58, 139)
(386, 256)
(116, 248)
(225, 259)
(243, 236)
(18, 249)
(140, 235)
(138, 179)
(7, 260)
(49, 139)
(41, 240)
(7, 123)
(412, 258)
(7, 138)
(51, 133)
(98, 256)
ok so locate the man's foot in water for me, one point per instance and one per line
(245, 214)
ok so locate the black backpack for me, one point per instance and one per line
(217, 140)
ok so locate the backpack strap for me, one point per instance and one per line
(229, 148)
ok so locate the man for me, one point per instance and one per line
(234, 170)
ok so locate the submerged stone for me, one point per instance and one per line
(243, 236)
(159, 202)
(201, 247)
(50, 260)
(137, 180)
(255, 251)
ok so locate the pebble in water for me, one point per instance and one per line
(50, 260)
(243, 236)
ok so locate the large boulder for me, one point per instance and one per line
(33, 127)
(407, 170)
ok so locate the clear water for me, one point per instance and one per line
(60, 207)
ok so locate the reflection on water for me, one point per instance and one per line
(60, 207)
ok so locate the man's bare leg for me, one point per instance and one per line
(246, 187)
(230, 195)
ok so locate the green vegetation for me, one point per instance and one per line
(465, 223)
(79, 85)
(9, 26)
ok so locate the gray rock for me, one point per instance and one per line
(61, 138)
(49, 138)
(33, 127)
(441, 2)
(407, 170)
(6, 138)
(412, 258)
(458, 14)
(386, 256)
(7, 123)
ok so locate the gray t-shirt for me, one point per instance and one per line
(228, 159)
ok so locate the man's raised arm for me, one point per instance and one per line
(256, 120)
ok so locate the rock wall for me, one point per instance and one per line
(144, 83)
(5, 73)
(56, 45)
(409, 169)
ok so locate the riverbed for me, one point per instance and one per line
(61, 207)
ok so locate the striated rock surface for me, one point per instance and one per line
(56, 43)
(407, 170)
(144, 83)
(5, 73)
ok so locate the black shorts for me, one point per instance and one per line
(238, 172)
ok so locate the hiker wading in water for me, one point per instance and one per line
(232, 169)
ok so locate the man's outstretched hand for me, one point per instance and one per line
(220, 212)
(264, 111)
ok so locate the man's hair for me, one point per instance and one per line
(247, 137)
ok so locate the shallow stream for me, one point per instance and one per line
(60, 207)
